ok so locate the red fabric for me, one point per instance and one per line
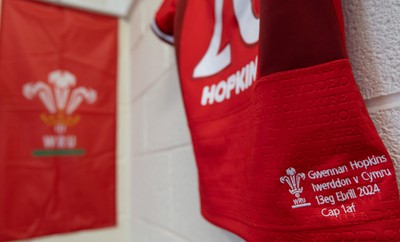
(219, 128)
(294, 156)
(339, 14)
(58, 119)
(298, 34)
(314, 121)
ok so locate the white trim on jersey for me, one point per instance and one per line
(157, 31)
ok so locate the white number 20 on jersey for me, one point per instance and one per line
(213, 61)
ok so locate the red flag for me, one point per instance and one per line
(57, 120)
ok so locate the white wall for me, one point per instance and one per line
(373, 41)
(164, 177)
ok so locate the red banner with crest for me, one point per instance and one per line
(57, 120)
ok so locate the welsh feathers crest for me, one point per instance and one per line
(60, 98)
(293, 180)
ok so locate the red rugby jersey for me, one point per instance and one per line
(286, 151)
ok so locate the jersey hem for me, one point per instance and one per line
(160, 34)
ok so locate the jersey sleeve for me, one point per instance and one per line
(299, 35)
(163, 22)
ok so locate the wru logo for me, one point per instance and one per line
(61, 99)
(293, 180)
